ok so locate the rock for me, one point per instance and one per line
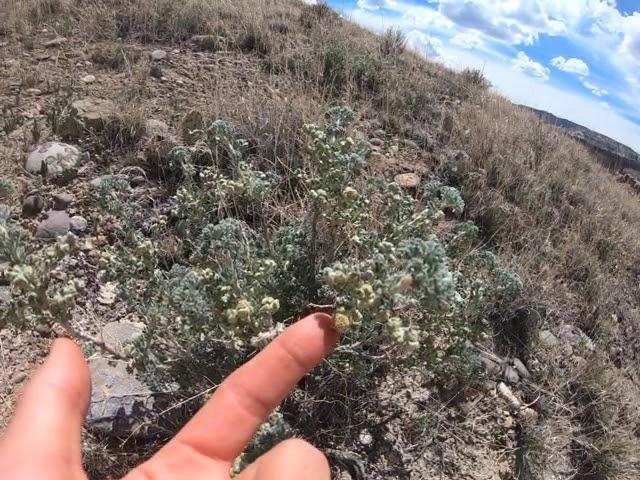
(491, 365)
(380, 133)
(43, 330)
(119, 335)
(408, 181)
(520, 367)
(33, 92)
(548, 339)
(62, 201)
(158, 55)
(32, 205)
(17, 378)
(574, 336)
(376, 142)
(56, 224)
(511, 374)
(410, 144)
(191, 122)
(79, 224)
(59, 161)
(155, 71)
(506, 393)
(209, 43)
(365, 437)
(88, 114)
(119, 401)
(528, 415)
(55, 42)
(89, 78)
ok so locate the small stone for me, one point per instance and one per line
(18, 378)
(89, 78)
(61, 201)
(33, 92)
(376, 142)
(32, 205)
(408, 181)
(574, 336)
(380, 133)
(155, 71)
(43, 330)
(506, 393)
(79, 224)
(511, 374)
(520, 367)
(56, 160)
(548, 339)
(491, 366)
(56, 42)
(410, 144)
(56, 224)
(158, 55)
(528, 415)
(365, 438)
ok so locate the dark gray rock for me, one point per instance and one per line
(155, 71)
(55, 225)
(120, 403)
(32, 205)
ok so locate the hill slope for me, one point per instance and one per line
(489, 296)
(615, 154)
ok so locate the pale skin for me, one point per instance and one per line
(42, 440)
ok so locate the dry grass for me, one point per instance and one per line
(543, 202)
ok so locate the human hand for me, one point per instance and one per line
(42, 440)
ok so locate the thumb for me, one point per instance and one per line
(48, 419)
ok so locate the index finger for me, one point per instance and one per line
(224, 426)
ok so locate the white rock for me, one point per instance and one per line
(506, 393)
(89, 78)
(61, 160)
(158, 55)
(79, 224)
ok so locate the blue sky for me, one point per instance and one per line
(579, 59)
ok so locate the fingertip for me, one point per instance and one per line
(324, 322)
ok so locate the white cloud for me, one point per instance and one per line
(424, 44)
(605, 105)
(372, 4)
(522, 88)
(596, 90)
(470, 39)
(524, 64)
(571, 65)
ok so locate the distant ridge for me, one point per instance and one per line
(614, 154)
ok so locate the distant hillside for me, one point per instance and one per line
(613, 153)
